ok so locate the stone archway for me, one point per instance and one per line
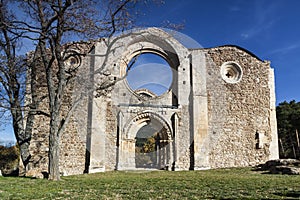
(147, 143)
(151, 146)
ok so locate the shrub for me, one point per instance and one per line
(9, 160)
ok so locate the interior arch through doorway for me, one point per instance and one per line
(153, 143)
(152, 146)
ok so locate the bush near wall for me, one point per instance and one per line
(9, 160)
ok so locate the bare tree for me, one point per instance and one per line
(12, 82)
(51, 24)
(54, 21)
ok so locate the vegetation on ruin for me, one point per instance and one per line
(242, 183)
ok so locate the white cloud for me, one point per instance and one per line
(285, 49)
(234, 8)
(245, 35)
(263, 19)
(257, 29)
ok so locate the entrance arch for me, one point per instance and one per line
(147, 143)
(152, 146)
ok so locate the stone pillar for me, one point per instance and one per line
(175, 143)
(119, 133)
(274, 151)
(163, 155)
(127, 155)
(97, 149)
(127, 144)
(200, 111)
(169, 154)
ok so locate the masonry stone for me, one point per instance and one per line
(280, 166)
(218, 112)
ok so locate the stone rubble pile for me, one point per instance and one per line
(281, 166)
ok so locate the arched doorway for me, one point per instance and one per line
(152, 148)
(147, 143)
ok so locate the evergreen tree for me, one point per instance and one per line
(288, 122)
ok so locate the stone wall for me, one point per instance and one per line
(73, 140)
(219, 111)
(183, 140)
(239, 113)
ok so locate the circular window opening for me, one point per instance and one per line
(231, 72)
(72, 59)
(149, 75)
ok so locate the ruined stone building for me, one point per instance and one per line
(217, 112)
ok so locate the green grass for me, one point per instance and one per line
(217, 184)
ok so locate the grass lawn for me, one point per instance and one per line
(222, 183)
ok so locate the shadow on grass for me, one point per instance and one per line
(11, 173)
(291, 194)
(260, 170)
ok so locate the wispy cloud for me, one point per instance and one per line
(257, 29)
(263, 18)
(234, 8)
(285, 49)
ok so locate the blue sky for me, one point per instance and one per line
(268, 28)
(152, 72)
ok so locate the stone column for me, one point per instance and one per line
(200, 111)
(169, 147)
(127, 155)
(97, 149)
(274, 151)
(175, 143)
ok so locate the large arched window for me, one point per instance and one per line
(149, 74)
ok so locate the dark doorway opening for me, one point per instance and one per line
(151, 148)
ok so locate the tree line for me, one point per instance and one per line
(288, 125)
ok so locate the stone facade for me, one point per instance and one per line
(218, 112)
